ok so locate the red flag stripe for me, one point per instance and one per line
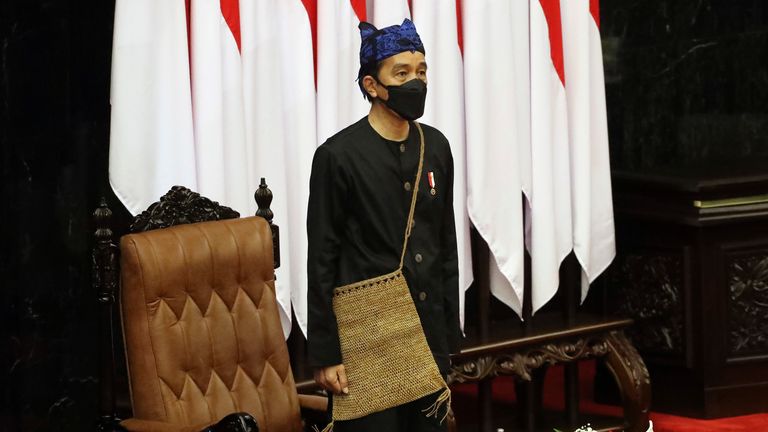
(359, 8)
(311, 7)
(459, 25)
(188, 7)
(230, 9)
(552, 13)
(594, 9)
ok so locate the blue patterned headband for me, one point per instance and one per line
(376, 45)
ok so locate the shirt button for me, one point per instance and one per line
(402, 148)
(418, 258)
(407, 186)
(422, 296)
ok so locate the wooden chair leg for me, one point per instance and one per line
(631, 375)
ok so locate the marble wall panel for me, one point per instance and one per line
(687, 84)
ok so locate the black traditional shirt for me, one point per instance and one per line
(360, 193)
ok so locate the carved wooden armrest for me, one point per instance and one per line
(314, 404)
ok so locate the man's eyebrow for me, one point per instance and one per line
(405, 65)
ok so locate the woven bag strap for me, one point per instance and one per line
(409, 223)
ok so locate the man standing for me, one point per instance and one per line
(360, 194)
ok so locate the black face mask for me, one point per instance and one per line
(408, 99)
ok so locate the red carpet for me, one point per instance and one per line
(504, 392)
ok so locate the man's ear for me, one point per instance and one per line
(369, 84)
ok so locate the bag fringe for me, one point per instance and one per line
(328, 428)
(444, 400)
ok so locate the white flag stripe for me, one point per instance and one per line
(436, 21)
(593, 229)
(151, 138)
(550, 200)
(521, 41)
(493, 180)
(389, 12)
(218, 108)
(339, 100)
(301, 142)
(603, 239)
(207, 97)
(280, 131)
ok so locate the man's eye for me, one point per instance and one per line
(401, 74)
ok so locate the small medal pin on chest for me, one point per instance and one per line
(432, 184)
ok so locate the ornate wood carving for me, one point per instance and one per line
(521, 364)
(621, 357)
(104, 281)
(263, 196)
(647, 288)
(180, 206)
(629, 371)
(748, 308)
(104, 256)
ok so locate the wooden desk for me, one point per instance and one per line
(692, 270)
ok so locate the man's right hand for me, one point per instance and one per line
(332, 379)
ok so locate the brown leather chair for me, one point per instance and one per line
(202, 334)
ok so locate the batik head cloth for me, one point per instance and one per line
(378, 44)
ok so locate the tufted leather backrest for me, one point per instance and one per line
(202, 333)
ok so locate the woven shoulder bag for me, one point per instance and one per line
(383, 347)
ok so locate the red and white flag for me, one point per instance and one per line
(495, 78)
(216, 96)
(280, 133)
(593, 230)
(339, 100)
(550, 238)
(246, 111)
(151, 138)
(438, 24)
